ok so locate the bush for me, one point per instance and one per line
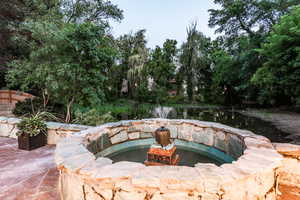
(33, 125)
(31, 106)
(93, 117)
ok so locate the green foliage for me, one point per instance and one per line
(279, 78)
(71, 64)
(93, 117)
(31, 106)
(161, 66)
(97, 11)
(34, 124)
(244, 16)
(195, 61)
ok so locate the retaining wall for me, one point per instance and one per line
(11, 97)
(56, 131)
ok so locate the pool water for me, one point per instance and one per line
(139, 154)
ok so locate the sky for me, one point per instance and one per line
(163, 19)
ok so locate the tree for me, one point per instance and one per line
(136, 73)
(97, 11)
(161, 66)
(279, 78)
(70, 65)
(248, 16)
(132, 53)
(194, 58)
(12, 15)
(15, 13)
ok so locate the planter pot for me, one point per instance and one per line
(29, 143)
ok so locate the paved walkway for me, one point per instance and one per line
(27, 175)
(288, 122)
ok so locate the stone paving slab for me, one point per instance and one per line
(27, 175)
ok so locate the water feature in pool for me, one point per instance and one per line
(187, 158)
(190, 153)
(228, 117)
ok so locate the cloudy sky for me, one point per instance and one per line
(163, 19)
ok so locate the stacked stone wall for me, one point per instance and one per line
(251, 176)
(289, 173)
(56, 131)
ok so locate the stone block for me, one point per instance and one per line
(132, 129)
(3, 120)
(72, 186)
(122, 169)
(173, 131)
(148, 128)
(255, 143)
(94, 193)
(63, 153)
(185, 132)
(5, 129)
(220, 141)
(124, 195)
(235, 146)
(53, 137)
(146, 135)
(134, 135)
(175, 196)
(13, 120)
(54, 125)
(116, 130)
(204, 137)
(120, 137)
(288, 149)
(101, 143)
(79, 161)
(93, 167)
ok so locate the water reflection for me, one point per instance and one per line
(228, 117)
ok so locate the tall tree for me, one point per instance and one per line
(97, 11)
(248, 16)
(161, 66)
(194, 58)
(279, 78)
(133, 53)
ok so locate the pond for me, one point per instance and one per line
(225, 116)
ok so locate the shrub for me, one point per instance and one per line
(34, 124)
(93, 117)
(31, 106)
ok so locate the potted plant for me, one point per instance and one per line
(32, 131)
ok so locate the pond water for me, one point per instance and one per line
(187, 158)
(228, 117)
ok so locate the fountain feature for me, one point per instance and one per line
(163, 151)
(247, 171)
(163, 112)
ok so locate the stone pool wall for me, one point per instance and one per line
(251, 177)
(56, 131)
(289, 172)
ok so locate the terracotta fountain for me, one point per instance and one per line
(163, 152)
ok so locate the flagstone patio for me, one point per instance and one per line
(27, 175)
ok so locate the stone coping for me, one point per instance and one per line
(287, 149)
(251, 176)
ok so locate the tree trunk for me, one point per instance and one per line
(45, 98)
(69, 107)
